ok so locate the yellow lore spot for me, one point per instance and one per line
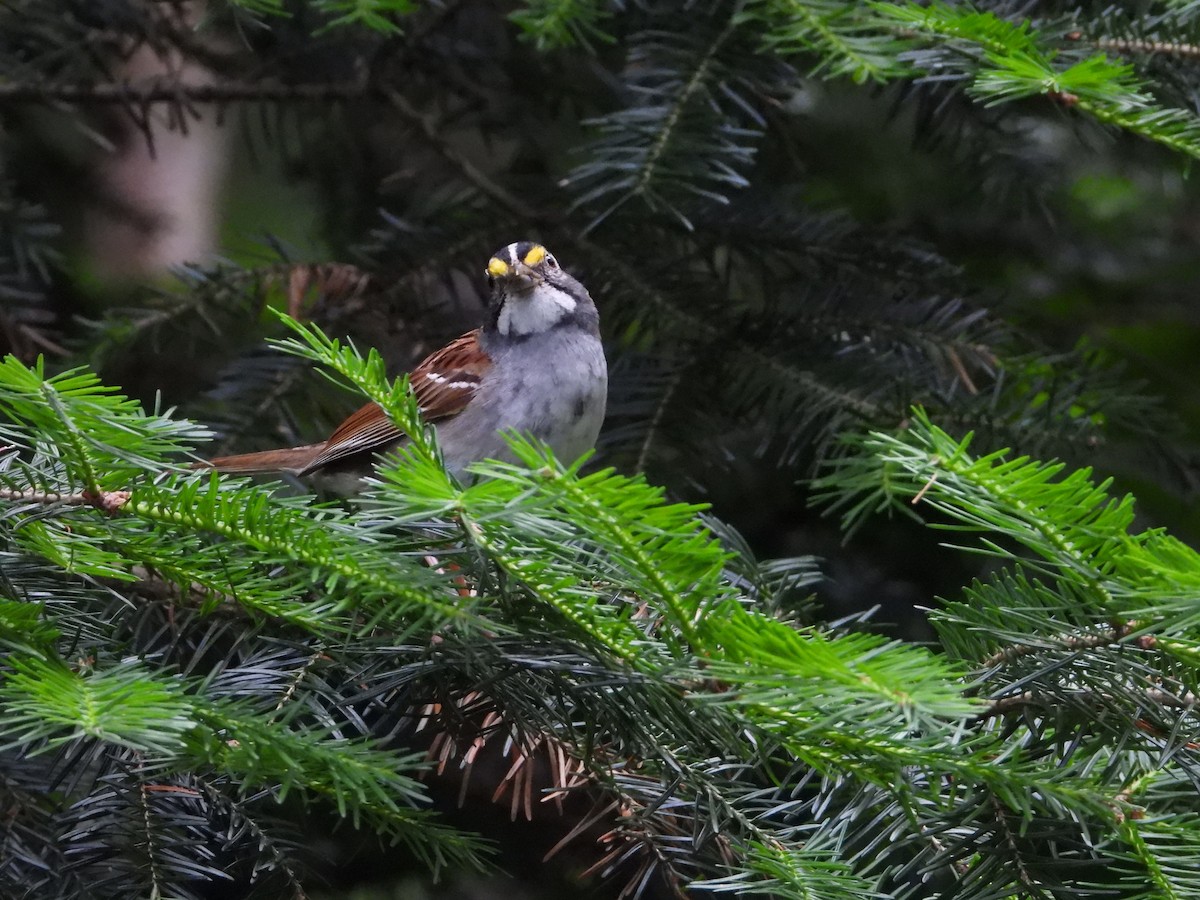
(535, 255)
(497, 267)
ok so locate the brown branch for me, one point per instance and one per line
(167, 90)
(174, 91)
(106, 501)
(1153, 695)
(1087, 641)
(468, 169)
(1138, 46)
(656, 420)
(1005, 832)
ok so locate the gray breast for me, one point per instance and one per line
(552, 386)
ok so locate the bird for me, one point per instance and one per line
(536, 366)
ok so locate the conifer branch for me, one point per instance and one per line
(1084, 641)
(683, 97)
(175, 659)
(211, 512)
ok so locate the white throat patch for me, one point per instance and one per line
(534, 312)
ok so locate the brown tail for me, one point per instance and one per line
(293, 459)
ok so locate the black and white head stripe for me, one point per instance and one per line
(531, 293)
(532, 255)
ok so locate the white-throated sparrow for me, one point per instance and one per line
(536, 366)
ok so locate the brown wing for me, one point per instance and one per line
(447, 379)
(444, 383)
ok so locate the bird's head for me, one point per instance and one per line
(530, 293)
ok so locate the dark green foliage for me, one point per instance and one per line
(690, 151)
(799, 219)
(604, 621)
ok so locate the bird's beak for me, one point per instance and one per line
(526, 275)
(522, 277)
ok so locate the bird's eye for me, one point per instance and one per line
(551, 261)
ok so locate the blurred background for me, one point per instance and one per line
(778, 256)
